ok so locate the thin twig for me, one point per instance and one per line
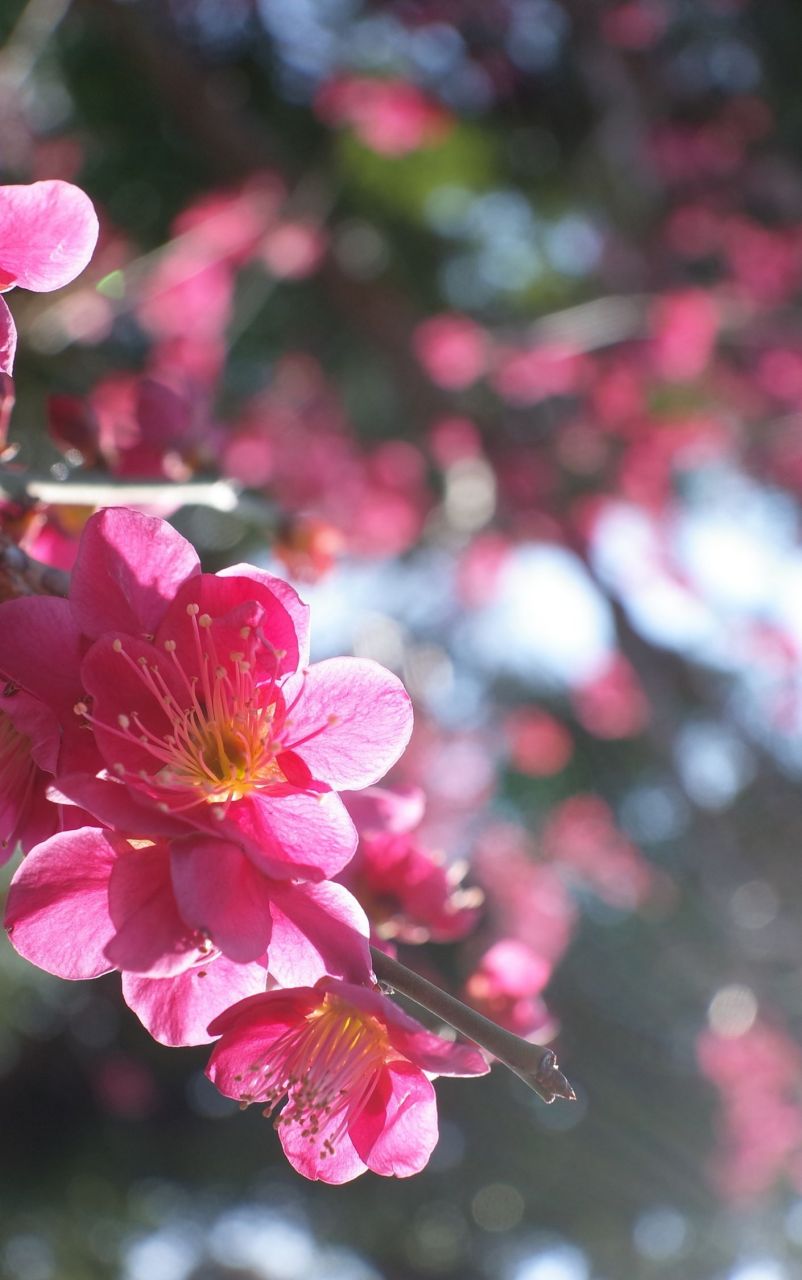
(532, 1063)
(102, 490)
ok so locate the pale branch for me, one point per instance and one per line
(103, 490)
(532, 1063)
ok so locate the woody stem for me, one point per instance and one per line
(532, 1063)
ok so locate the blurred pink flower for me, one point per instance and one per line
(390, 116)
(453, 350)
(506, 987)
(408, 890)
(48, 232)
(537, 743)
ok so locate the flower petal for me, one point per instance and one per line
(177, 1011)
(48, 232)
(232, 604)
(311, 836)
(287, 596)
(57, 912)
(8, 339)
(129, 567)
(435, 1055)
(40, 649)
(220, 892)
(312, 1162)
(114, 805)
(150, 936)
(318, 929)
(350, 721)
(397, 1131)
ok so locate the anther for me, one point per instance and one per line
(81, 709)
(193, 609)
(170, 646)
(117, 646)
(123, 722)
(204, 620)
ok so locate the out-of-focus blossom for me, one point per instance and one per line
(138, 427)
(612, 704)
(48, 232)
(581, 836)
(684, 329)
(530, 375)
(293, 249)
(392, 117)
(308, 547)
(756, 1071)
(537, 743)
(527, 900)
(453, 350)
(635, 24)
(408, 890)
(353, 1072)
(506, 987)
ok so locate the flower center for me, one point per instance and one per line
(220, 743)
(326, 1068)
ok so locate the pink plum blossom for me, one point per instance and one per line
(29, 741)
(191, 924)
(48, 232)
(408, 890)
(506, 986)
(190, 695)
(352, 1070)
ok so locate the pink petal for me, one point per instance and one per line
(177, 1011)
(48, 232)
(308, 1159)
(150, 936)
(233, 603)
(397, 1131)
(120, 685)
(249, 1040)
(31, 717)
(128, 569)
(394, 810)
(220, 892)
(312, 836)
(257, 1013)
(114, 805)
(435, 1055)
(287, 595)
(8, 339)
(356, 716)
(318, 929)
(40, 649)
(57, 911)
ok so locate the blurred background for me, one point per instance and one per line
(487, 313)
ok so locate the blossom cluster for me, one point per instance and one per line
(171, 765)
